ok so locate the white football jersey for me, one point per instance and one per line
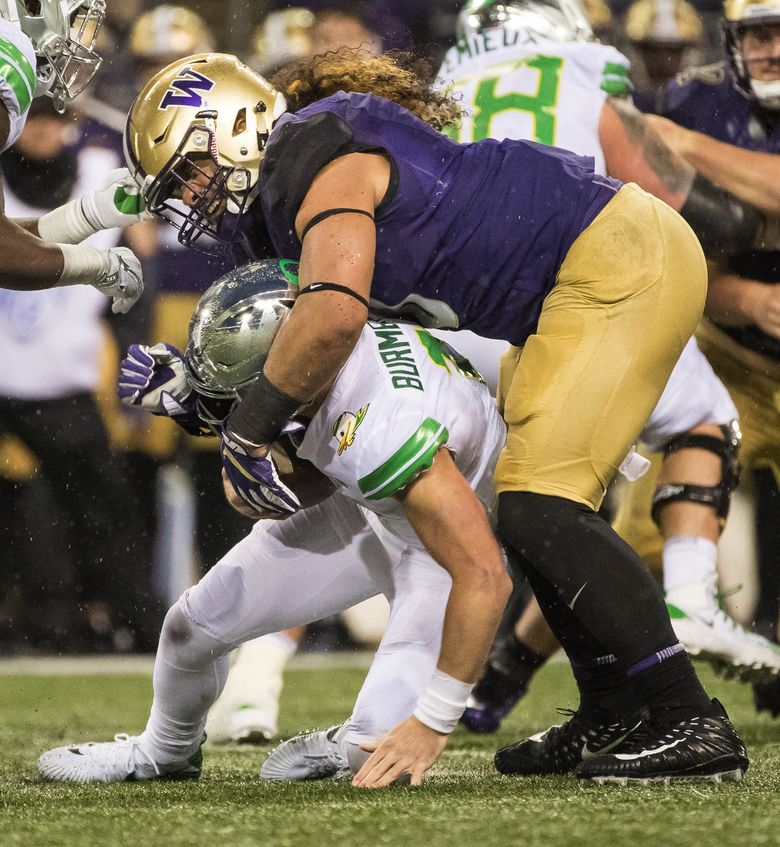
(520, 86)
(401, 396)
(17, 77)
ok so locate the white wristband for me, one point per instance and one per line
(84, 265)
(65, 225)
(442, 703)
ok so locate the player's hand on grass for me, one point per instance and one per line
(408, 749)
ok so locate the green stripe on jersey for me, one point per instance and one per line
(413, 457)
(19, 73)
(615, 80)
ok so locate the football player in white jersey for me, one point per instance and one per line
(408, 436)
(46, 47)
(530, 69)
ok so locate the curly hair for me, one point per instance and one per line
(397, 76)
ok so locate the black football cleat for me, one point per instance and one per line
(561, 748)
(704, 748)
(492, 699)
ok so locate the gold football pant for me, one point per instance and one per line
(627, 299)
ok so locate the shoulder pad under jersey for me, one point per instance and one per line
(297, 151)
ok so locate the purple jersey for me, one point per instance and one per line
(468, 235)
(705, 100)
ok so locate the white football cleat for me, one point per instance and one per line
(320, 754)
(120, 760)
(730, 648)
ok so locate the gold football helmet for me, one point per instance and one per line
(672, 22)
(195, 136)
(168, 32)
(738, 16)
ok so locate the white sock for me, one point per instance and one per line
(189, 673)
(691, 574)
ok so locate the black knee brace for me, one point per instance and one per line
(718, 497)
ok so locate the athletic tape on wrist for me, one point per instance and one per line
(259, 417)
(65, 225)
(442, 703)
(83, 265)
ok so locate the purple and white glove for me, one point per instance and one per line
(256, 481)
(154, 379)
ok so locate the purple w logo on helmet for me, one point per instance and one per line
(186, 89)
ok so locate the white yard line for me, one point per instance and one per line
(118, 665)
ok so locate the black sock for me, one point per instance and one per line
(594, 574)
(671, 690)
(604, 687)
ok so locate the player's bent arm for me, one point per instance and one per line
(633, 152)
(736, 301)
(451, 522)
(26, 262)
(750, 175)
(322, 328)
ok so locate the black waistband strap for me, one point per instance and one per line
(332, 286)
(318, 218)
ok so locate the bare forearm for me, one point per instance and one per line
(26, 262)
(452, 524)
(314, 343)
(753, 177)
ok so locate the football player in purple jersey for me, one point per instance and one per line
(598, 282)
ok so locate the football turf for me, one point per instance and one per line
(465, 802)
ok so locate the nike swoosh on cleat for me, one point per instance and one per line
(587, 753)
(631, 756)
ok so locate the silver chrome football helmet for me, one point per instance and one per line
(554, 20)
(63, 34)
(234, 325)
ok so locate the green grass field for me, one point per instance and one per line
(463, 803)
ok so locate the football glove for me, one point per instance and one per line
(153, 378)
(122, 279)
(118, 203)
(256, 481)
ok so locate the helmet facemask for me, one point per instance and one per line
(216, 195)
(63, 33)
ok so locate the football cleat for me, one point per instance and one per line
(313, 755)
(562, 747)
(121, 760)
(698, 748)
(492, 699)
(732, 650)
